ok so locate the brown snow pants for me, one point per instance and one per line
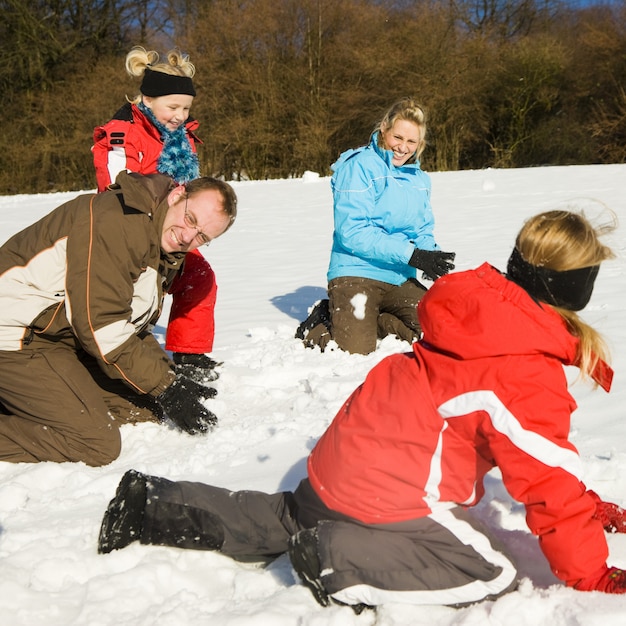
(57, 405)
(446, 558)
(363, 310)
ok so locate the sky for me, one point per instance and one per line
(275, 400)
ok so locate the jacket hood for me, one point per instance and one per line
(480, 313)
(148, 194)
(144, 193)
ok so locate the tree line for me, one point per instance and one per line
(285, 86)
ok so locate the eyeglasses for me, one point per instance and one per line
(192, 222)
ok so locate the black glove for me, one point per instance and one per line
(198, 367)
(181, 403)
(434, 263)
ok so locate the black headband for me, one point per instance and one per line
(570, 289)
(155, 84)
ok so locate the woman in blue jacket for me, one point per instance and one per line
(383, 232)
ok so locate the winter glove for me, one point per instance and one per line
(181, 402)
(606, 579)
(434, 263)
(198, 367)
(612, 516)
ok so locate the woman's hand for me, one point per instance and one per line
(434, 263)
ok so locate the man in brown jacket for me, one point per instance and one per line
(79, 292)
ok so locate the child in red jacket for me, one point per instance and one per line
(385, 512)
(155, 133)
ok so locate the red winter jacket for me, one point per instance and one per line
(130, 141)
(484, 388)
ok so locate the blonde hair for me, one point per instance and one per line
(406, 109)
(138, 59)
(563, 240)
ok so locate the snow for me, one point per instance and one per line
(275, 399)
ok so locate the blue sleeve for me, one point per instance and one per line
(361, 223)
(425, 238)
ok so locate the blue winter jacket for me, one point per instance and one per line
(382, 213)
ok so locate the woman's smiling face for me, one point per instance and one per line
(403, 139)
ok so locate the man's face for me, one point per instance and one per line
(193, 221)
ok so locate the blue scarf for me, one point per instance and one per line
(177, 159)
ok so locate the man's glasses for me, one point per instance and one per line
(192, 222)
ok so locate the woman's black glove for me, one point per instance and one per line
(434, 263)
(181, 402)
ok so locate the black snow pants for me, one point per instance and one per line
(446, 558)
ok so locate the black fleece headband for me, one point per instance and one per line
(155, 84)
(570, 289)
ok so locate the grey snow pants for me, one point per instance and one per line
(446, 558)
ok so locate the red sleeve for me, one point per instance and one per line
(569, 535)
(109, 151)
(542, 469)
(100, 150)
(191, 326)
(116, 148)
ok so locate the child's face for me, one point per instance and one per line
(171, 110)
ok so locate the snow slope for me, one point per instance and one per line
(275, 399)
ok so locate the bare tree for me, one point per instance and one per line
(504, 18)
(286, 85)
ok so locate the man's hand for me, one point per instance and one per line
(181, 402)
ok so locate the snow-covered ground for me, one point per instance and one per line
(275, 399)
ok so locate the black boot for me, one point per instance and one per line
(320, 314)
(123, 519)
(304, 555)
(305, 560)
(199, 367)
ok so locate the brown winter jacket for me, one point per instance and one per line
(92, 273)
